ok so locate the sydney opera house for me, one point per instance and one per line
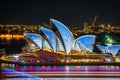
(57, 43)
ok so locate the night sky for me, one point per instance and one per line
(69, 12)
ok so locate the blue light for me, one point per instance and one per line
(16, 58)
(21, 74)
(51, 38)
(37, 39)
(66, 35)
(113, 49)
(108, 59)
(86, 42)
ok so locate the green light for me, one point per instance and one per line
(110, 40)
(106, 36)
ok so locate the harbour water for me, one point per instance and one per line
(15, 72)
(12, 45)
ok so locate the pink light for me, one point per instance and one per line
(54, 67)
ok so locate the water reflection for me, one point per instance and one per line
(64, 78)
(12, 45)
(64, 72)
(61, 68)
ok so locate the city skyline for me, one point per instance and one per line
(71, 13)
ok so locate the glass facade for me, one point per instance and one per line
(46, 44)
(59, 45)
